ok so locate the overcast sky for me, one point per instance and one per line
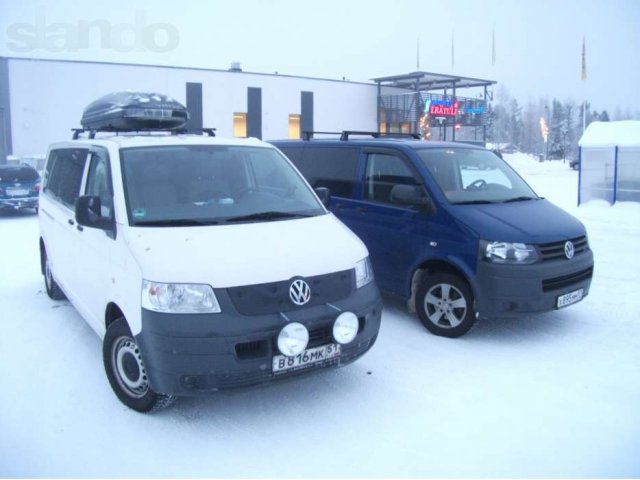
(538, 43)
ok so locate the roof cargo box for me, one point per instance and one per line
(134, 111)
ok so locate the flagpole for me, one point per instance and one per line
(583, 77)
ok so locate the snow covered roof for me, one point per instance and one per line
(610, 134)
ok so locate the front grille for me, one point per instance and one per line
(274, 297)
(566, 280)
(252, 350)
(555, 250)
(320, 336)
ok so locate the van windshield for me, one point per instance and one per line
(209, 184)
(470, 176)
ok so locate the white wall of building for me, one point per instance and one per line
(48, 97)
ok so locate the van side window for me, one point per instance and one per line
(334, 168)
(64, 174)
(98, 182)
(384, 171)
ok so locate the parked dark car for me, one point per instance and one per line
(19, 187)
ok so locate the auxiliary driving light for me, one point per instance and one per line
(345, 328)
(293, 339)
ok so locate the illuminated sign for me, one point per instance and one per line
(443, 109)
(473, 110)
(451, 108)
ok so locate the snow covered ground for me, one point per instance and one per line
(554, 395)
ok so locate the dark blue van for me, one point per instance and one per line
(450, 226)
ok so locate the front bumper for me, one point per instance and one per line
(508, 290)
(198, 354)
(18, 203)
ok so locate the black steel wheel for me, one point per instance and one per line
(126, 372)
(53, 289)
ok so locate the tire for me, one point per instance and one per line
(53, 289)
(445, 305)
(126, 372)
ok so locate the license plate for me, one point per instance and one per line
(17, 192)
(310, 356)
(569, 298)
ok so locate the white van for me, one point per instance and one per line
(203, 263)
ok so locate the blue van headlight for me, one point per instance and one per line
(179, 298)
(506, 252)
(364, 272)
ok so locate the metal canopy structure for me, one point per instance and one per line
(427, 81)
(403, 110)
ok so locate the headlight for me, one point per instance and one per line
(513, 253)
(364, 272)
(179, 298)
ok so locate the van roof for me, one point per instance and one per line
(381, 142)
(153, 140)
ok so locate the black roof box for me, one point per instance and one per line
(134, 111)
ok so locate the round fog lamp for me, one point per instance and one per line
(345, 328)
(293, 339)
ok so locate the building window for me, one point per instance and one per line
(294, 126)
(239, 124)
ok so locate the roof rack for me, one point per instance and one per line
(210, 132)
(308, 135)
(344, 135)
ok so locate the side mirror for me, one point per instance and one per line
(324, 194)
(88, 213)
(412, 195)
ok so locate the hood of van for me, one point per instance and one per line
(226, 256)
(530, 221)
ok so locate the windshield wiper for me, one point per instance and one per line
(474, 202)
(176, 222)
(522, 198)
(266, 216)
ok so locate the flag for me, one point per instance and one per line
(452, 55)
(584, 60)
(493, 46)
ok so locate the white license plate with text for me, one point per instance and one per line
(310, 356)
(569, 298)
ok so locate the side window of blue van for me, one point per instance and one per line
(384, 171)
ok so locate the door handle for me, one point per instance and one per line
(361, 210)
(71, 222)
(80, 228)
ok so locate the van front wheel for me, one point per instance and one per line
(126, 371)
(445, 305)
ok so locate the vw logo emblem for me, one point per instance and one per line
(299, 292)
(568, 250)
